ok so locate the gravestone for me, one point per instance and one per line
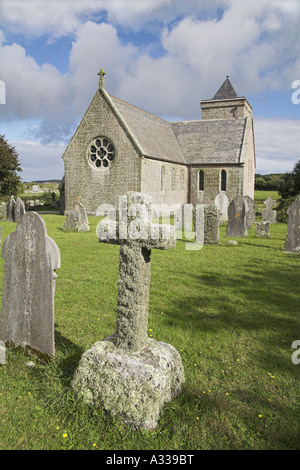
(27, 310)
(83, 223)
(2, 353)
(76, 219)
(250, 212)
(237, 226)
(10, 210)
(292, 243)
(211, 225)
(19, 209)
(269, 214)
(2, 211)
(221, 203)
(128, 373)
(263, 229)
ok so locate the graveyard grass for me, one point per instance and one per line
(232, 312)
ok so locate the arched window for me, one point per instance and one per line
(162, 179)
(173, 179)
(223, 180)
(201, 180)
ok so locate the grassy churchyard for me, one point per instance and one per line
(231, 311)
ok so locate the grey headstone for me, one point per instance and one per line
(2, 352)
(263, 229)
(221, 203)
(71, 221)
(211, 225)
(10, 210)
(269, 214)
(19, 209)
(129, 374)
(250, 212)
(292, 243)
(83, 223)
(27, 310)
(237, 226)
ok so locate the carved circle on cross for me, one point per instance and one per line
(101, 153)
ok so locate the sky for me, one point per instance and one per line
(163, 56)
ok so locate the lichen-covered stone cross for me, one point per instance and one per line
(136, 235)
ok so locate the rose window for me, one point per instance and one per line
(101, 153)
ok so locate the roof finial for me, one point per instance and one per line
(101, 81)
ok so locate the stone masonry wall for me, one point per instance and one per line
(94, 186)
(173, 190)
(212, 183)
(238, 108)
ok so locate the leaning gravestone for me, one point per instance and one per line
(292, 243)
(10, 210)
(221, 203)
(83, 223)
(250, 212)
(128, 373)
(237, 226)
(19, 209)
(269, 214)
(27, 310)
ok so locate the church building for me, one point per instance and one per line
(118, 147)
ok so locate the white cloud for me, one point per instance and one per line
(40, 162)
(277, 144)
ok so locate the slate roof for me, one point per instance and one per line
(216, 141)
(154, 135)
(226, 91)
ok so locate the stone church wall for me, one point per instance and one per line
(95, 186)
(166, 182)
(212, 183)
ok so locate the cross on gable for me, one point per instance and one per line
(101, 75)
(136, 235)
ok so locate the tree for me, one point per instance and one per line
(289, 189)
(9, 166)
(290, 184)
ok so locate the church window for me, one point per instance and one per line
(223, 180)
(201, 180)
(162, 179)
(101, 153)
(173, 179)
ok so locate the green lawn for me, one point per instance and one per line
(231, 311)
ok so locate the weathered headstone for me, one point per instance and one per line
(2, 211)
(211, 225)
(250, 212)
(76, 219)
(27, 310)
(19, 209)
(83, 223)
(128, 373)
(269, 214)
(71, 223)
(2, 353)
(10, 210)
(263, 229)
(237, 226)
(292, 243)
(221, 203)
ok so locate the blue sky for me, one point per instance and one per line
(164, 56)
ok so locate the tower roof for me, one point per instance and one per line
(226, 91)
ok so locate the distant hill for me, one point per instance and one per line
(42, 182)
